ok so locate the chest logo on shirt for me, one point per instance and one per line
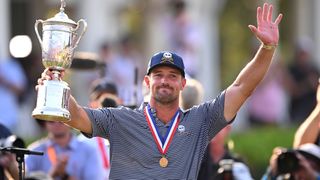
(181, 128)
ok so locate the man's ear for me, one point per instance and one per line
(183, 83)
(147, 81)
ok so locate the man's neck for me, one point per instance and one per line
(165, 112)
(62, 139)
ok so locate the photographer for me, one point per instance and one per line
(8, 164)
(299, 163)
(220, 162)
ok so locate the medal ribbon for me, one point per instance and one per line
(163, 143)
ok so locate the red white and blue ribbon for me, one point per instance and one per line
(163, 143)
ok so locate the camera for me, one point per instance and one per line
(287, 162)
(12, 141)
(225, 169)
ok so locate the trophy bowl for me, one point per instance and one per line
(58, 42)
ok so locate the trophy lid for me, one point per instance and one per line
(61, 17)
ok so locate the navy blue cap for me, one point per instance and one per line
(166, 59)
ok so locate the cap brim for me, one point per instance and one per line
(168, 65)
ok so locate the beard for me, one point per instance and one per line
(163, 96)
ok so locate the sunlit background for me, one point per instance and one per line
(20, 46)
(223, 45)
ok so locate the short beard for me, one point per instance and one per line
(165, 99)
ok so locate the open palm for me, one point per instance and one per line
(266, 31)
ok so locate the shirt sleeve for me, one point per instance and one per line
(215, 115)
(101, 121)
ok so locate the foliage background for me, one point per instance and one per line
(255, 146)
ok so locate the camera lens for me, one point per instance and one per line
(287, 162)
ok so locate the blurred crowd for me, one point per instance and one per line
(290, 94)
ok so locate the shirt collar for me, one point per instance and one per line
(72, 144)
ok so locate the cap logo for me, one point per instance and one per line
(167, 58)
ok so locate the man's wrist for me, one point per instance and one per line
(269, 46)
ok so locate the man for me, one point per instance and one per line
(192, 94)
(302, 81)
(220, 162)
(65, 157)
(158, 140)
(12, 85)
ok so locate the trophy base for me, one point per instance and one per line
(51, 114)
(52, 101)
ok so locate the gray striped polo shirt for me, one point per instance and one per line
(133, 151)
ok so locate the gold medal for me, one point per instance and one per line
(163, 162)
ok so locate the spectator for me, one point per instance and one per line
(192, 94)
(303, 82)
(107, 56)
(220, 163)
(268, 103)
(123, 71)
(12, 85)
(184, 36)
(65, 157)
(298, 163)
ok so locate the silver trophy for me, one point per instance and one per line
(59, 39)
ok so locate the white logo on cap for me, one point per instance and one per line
(167, 58)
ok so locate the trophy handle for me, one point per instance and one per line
(37, 32)
(83, 31)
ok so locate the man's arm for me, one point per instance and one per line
(267, 32)
(79, 118)
(309, 130)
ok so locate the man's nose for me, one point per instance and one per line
(164, 80)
